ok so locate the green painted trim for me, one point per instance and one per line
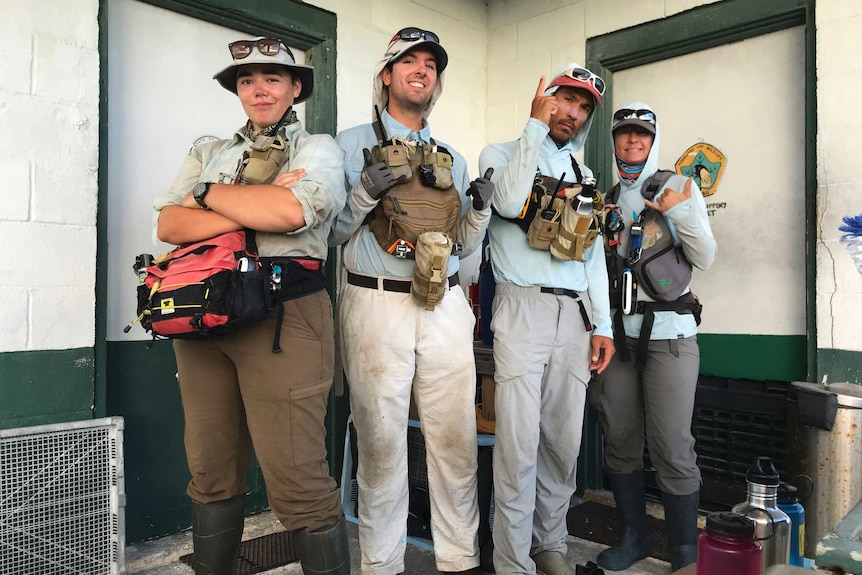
(839, 365)
(758, 357)
(48, 386)
(100, 382)
(811, 189)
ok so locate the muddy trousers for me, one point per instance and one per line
(392, 345)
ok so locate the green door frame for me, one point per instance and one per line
(691, 31)
(301, 25)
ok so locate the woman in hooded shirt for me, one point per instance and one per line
(651, 396)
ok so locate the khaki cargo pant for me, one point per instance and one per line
(238, 395)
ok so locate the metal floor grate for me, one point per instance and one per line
(260, 554)
(62, 499)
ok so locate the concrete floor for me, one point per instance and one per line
(161, 556)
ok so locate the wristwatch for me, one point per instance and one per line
(199, 192)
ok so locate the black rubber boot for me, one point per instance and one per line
(324, 551)
(632, 544)
(216, 535)
(680, 513)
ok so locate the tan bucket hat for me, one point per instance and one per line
(265, 51)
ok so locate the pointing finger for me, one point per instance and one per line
(541, 89)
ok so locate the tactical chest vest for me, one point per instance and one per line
(550, 216)
(427, 201)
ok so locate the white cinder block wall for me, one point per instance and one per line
(839, 177)
(49, 121)
(49, 128)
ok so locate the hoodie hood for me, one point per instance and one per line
(396, 51)
(651, 165)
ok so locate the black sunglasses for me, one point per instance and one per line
(267, 46)
(412, 34)
(641, 114)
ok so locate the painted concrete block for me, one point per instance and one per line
(65, 71)
(13, 317)
(15, 189)
(65, 193)
(542, 33)
(62, 318)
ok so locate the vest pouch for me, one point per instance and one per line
(545, 224)
(396, 157)
(576, 234)
(431, 270)
(262, 165)
(665, 275)
(441, 163)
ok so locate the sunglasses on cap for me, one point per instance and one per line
(266, 46)
(628, 114)
(413, 34)
(584, 75)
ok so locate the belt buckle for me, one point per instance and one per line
(559, 291)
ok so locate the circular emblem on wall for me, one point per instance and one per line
(703, 163)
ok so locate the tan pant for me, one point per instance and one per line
(238, 394)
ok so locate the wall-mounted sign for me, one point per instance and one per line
(705, 164)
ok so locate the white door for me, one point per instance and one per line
(747, 100)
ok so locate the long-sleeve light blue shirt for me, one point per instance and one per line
(513, 259)
(362, 254)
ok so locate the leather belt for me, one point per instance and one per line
(400, 286)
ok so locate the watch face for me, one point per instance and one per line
(199, 191)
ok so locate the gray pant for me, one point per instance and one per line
(662, 395)
(541, 360)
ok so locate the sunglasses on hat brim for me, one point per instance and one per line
(412, 34)
(584, 75)
(267, 46)
(642, 114)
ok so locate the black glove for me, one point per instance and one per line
(377, 179)
(481, 189)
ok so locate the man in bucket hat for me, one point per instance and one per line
(551, 322)
(392, 344)
(275, 178)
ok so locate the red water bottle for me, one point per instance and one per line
(727, 545)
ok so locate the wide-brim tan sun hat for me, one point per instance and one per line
(305, 74)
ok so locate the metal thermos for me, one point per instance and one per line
(727, 545)
(788, 501)
(771, 524)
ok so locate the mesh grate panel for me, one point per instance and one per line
(61, 490)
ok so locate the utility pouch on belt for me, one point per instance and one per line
(577, 231)
(431, 271)
(546, 223)
(263, 161)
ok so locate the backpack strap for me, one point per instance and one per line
(579, 176)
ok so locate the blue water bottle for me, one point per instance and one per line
(788, 501)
